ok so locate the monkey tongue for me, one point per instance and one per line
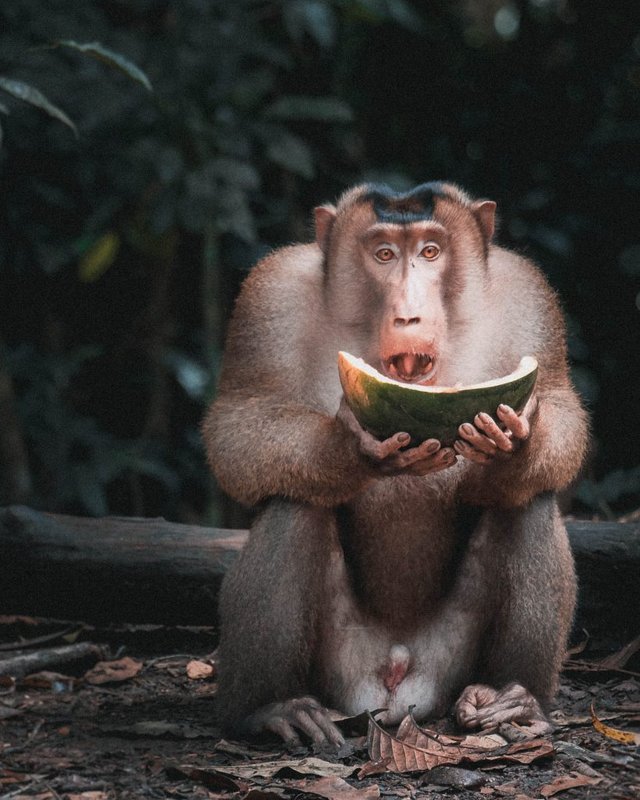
(410, 367)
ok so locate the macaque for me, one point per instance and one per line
(379, 575)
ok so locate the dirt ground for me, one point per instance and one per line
(154, 734)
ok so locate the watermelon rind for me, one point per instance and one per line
(384, 406)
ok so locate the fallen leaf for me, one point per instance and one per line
(580, 647)
(353, 726)
(414, 748)
(52, 681)
(211, 778)
(568, 781)
(626, 737)
(303, 766)
(619, 659)
(113, 671)
(336, 787)
(197, 670)
(94, 795)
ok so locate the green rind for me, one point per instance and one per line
(384, 408)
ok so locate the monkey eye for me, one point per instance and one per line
(430, 251)
(385, 254)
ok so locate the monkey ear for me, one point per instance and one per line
(325, 217)
(485, 211)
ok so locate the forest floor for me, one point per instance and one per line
(149, 731)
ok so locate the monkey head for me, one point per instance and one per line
(405, 269)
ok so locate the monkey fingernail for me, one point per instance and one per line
(403, 438)
(433, 446)
(468, 429)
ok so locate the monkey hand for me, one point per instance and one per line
(292, 717)
(484, 707)
(487, 440)
(388, 455)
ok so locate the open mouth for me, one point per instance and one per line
(411, 367)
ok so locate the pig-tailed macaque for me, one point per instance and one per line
(377, 575)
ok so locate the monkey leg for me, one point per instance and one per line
(535, 589)
(269, 610)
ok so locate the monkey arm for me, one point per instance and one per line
(548, 460)
(260, 448)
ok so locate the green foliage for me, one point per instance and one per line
(122, 248)
(155, 180)
(29, 94)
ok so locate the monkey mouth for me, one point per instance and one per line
(411, 367)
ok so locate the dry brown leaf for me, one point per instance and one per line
(113, 671)
(336, 787)
(415, 748)
(578, 648)
(94, 795)
(626, 737)
(568, 781)
(302, 766)
(48, 680)
(619, 659)
(211, 778)
(197, 670)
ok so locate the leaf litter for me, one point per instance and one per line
(154, 733)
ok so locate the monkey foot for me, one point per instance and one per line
(289, 718)
(483, 707)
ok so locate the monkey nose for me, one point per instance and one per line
(401, 322)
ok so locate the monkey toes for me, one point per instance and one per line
(483, 707)
(289, 718)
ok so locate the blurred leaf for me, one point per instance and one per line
(4, 109)
(397, 10)
(107, 56)
(90, 491)
(238, 173)
(612, 487)
(630, 261)
(29, 94)
(191, 375)
(315, 17)
(100, 256)
(401, 12)
(292, 153)
(322, 109)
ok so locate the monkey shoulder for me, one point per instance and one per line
(526, 305)
(278, 317)
(281, 285)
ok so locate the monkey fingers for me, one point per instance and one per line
(288, 718)
(428, 457)
(483, 707)
(371, 447)
(517, 424)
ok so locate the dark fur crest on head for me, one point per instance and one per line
(403, 208)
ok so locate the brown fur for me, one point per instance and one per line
(350, 561)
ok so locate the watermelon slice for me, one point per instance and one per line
(384, 406)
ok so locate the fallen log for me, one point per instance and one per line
(150, 570)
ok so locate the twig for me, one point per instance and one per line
(19, 666)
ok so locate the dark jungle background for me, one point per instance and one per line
(122, 246)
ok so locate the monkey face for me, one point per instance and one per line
(403, 267)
